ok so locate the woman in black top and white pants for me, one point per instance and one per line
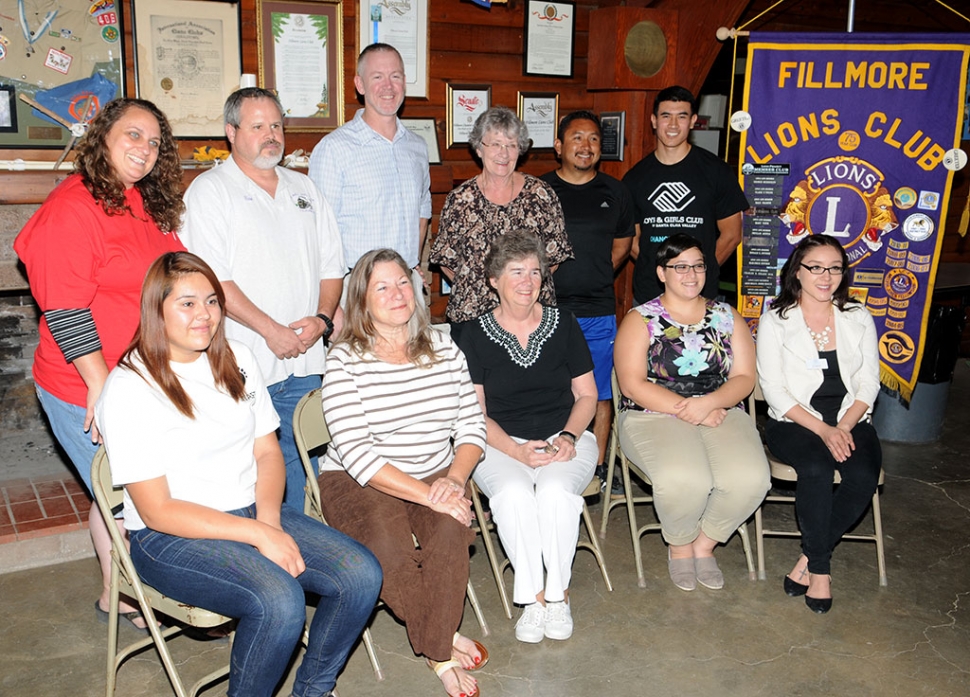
(534, 377)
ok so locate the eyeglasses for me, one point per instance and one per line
(819, 270)
(682, 269)
(508, 147)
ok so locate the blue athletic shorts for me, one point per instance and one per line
(600, 332)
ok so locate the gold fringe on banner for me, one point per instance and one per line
(900, 390)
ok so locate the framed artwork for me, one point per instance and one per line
(550, 29)
(428, 130)
(540, 113)
(465, 103)
(300, 47)
(62, 57)
(613, 125)
(403, 25)
(8, 109)
(187, 61)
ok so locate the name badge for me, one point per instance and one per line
(816, 364)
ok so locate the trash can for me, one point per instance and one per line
(922, 420)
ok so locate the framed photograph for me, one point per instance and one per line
(540, 113)
(8, 109)
(427, 129)
(58, 55)
(613, 125)
(465, 103)
(403, 25)
(187, 61)
(550, 29)
(300, 46)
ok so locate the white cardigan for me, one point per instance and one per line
(785, 350)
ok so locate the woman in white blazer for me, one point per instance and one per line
(818, 363)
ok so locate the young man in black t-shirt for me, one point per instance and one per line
(679, 188)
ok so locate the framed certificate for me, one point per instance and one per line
(428, 130)
(403, 25)
(549, 36)
(187, 61)
(540, 113)
(465, 104)
(613, 125)
(300, 48)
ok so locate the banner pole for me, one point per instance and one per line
(850, 24)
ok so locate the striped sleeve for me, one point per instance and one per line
(74, 332)
(469, 427)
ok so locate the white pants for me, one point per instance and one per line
(536, 511)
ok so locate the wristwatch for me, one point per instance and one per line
(328, 332)
(570, 436)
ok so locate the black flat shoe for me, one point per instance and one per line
(818, 605)
(794, 588)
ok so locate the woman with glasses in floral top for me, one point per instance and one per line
(684, 364)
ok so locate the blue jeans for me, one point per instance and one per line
(234, 579)
(286, 394)
(67, 423)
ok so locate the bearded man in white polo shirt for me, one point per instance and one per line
(272, 240)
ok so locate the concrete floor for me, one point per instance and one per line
(749, 639)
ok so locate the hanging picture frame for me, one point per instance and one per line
(428, 130)
(403, 25)
(465, 103)
(65, 57)
(187, 61)
(539, 111)
(306, 37)
(550, 29)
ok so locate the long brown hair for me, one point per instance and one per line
(358, 331)
(151, 342)
(161, 189)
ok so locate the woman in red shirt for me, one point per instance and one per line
(86, 251)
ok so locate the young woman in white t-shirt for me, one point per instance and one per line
(190, 433)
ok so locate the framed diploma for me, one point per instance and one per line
(549, 35)
(540, 113)
(403, 25)
(300, 46)
(187, 61)
(465, 103)
(428, 130)
(613, 125)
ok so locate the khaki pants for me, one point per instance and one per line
(704, 478)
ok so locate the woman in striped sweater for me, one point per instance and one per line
(407, 432)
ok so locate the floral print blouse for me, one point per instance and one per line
(469, 222)
(692, 360)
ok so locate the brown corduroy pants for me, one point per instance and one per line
(424, 586)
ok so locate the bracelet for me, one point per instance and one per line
(328, 332)
(570, 436)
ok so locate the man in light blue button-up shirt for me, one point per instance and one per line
(373, 171)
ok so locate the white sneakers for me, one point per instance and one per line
(532, 624)
(554, 621)
(559, 621)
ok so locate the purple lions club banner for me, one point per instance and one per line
(850, 136)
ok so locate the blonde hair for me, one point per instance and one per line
(358, 332)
